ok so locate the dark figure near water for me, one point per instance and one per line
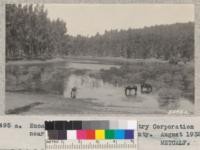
(73, 92)
(128, 90)
(146, 88)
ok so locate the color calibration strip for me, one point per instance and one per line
(91, 135)
(90, 130)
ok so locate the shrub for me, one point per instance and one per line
(54, 83)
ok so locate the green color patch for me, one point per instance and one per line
(110, 134)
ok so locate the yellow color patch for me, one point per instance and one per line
(99, 134)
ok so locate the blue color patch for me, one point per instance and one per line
(129, 134)
(119, 134)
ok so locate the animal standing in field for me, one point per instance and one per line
(128, 90)
(73, 92)
(146, 88)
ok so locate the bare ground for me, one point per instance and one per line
(43, 104)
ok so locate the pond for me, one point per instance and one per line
(60, 78)
(90, 66)
(89, 87)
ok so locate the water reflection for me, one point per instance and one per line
(91, 66)
(88, 87)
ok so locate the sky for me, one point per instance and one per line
(88, 19)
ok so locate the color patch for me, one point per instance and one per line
(113, 124)
(49, 125)
(90, 134)
(81, 134)
(71, 135)
(99, 134)
(119, 134)
(109, 134)
(62, 135)
(129, 134)
(122, 124)
(68, 125)
(53, 134)
(95, 125)
(132, 124)
(59, 125)
(77, 125)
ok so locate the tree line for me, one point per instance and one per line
(163, 41)
(31, 34)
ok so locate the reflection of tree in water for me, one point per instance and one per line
(86, 84)
(35, 78)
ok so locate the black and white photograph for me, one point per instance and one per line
(99, 59)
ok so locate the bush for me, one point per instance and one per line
(54, 83)
(35, 78)
(162, 75)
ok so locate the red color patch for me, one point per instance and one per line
(90, 134)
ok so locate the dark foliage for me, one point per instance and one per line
(169, 81)
(31, 34)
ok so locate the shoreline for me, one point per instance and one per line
(77, 59)
(44, 104)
